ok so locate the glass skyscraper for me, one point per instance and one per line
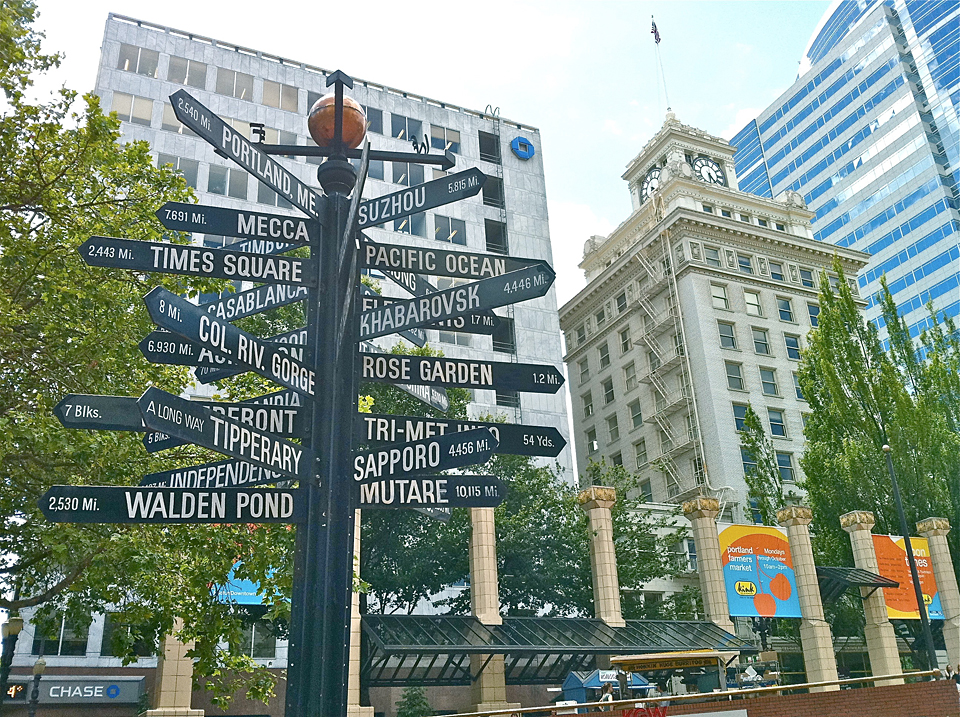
(869, 135)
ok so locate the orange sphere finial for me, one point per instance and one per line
(322, 120)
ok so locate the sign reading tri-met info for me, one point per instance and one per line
(758, 572)
(892, 563)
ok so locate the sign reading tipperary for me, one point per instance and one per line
(233, 307)
(245, 153)
(439, 262)
(183, 419)
(455, 491)
(196, 261)
(269, 359)
(514, 438)
(109, 504)
(420, 198)
(237, 223)
(427, 456)
(465, 373)
(222, 474)
(489, 293)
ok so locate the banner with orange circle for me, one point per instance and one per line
(758, 572)
(892, 563)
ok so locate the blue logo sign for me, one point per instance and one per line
(113, 691)
(522, 147)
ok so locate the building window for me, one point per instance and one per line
(728, 338)
(692, 430)
(137, 110)
(814, 312)
(187, 167)
(641, 449)
(601, 317)
(776, 271)
(584, 365)
(725, 213)
(613, 428)
(495, 234)
(374, 169)
(374, 119)
(739, 415)
(712, 255)
(142, 646)
(761, 343)
(138, 59)
(621, 302)
(258, 641)
(707, 208)
(785, 309)
(806, 278)
(745, 264)
(493, 193)
(768, 381)
(752, 300)
(65, 639)
(265, 195)
(508, 399)
(604, 354)
(607, 387)
(654, 360)
(187, 72)
(796, 387)
(415, 224)
(699, 474)
(646, 490)
(404, 127)
(780, 227)
(234, 84)
(630, 376)
(749, 464)
(785, 466)
(793, 346)
(170, 123)
(455, 338)
(449, 230)
(678, 346)
(734, 376)
(227, 182)
(626, 343)
(762, 222)
(745, 218)
(489, 147)
(636, 415)
(505, 337)
(581, 334)
(409, 175)
(587, 401)
(279, 95)
(591, 436)
(719, 294)
(446, 140)
(777, 426)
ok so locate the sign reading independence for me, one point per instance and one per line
(236, 223)
(420, 198)
(245, 153)
(439, 262)
(464, 373)
(222, 474)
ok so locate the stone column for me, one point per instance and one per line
(881, 640)
(354, 709)
(489, 689)
(596, 502)
(935, 531)
(815, 635)
(702, 513)
(173, 687)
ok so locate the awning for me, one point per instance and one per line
(452, 650)
(835, 581)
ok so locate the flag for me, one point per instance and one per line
(654, 32)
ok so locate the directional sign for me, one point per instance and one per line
(109, 504)
(196, 261)
(439, 262)
(271, 360)
(161, 346)
(489, 293)
(515, 439)
(104, 413)
(370, 300)
(478, 323)
(292, 342)
(426, 456)
(464, 373)
(433, 396)
(235, 146)
(420, 198)
(237, 223)
(233, 307)
(183, 419)
(441, 514)
(455, 491)
(222, 474)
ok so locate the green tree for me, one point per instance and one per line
(413, 703)
(764, 486)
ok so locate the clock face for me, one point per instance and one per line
(708, 171)
(650, 183)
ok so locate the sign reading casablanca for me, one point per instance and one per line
(892, 563)
(758, 572)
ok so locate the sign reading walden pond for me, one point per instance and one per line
(758, 572)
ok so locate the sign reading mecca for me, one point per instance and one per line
(758, 572)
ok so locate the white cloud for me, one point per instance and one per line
(571, 224)
(740, 119)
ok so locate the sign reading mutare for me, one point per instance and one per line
(758, 572)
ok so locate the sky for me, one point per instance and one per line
(584, 73)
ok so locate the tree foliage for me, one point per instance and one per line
(764, 487)
(413, 703)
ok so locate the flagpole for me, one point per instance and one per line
(663, 77)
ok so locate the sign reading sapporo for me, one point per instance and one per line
(465, 373)
(427, 456)
(420, 198)
(236, 223)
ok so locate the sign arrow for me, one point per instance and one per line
(99, 413)
(420, 198)
(440, 491)
(161, 346)
(196, 261)
(369, 300)
(293, 340)
(439, 262)
(510, 288)
(204, 219)
(233, 145)
(234, 307)
(431, 454)
(465, 373)
(222, 474)
(197, 424)
(271, 360)
(515, 439)
(111, 504)
(479, 323)
(433, 396)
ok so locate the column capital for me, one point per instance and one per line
(597, 496)
(795, 515)
(701, 507)
(928, 527)
(857, 520)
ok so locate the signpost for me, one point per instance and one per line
(236, 223)
(478, 323)
(455, 491)
(420, 198)
(434, 396)
(233, 307)
(428, 455)
(222, 474)
(464, 373)
(440, 262)
(104, 413)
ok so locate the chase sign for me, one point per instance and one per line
(522, 147)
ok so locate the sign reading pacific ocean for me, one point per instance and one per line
(758, 572)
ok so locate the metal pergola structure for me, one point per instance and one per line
(400, 650)
(835, 581)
